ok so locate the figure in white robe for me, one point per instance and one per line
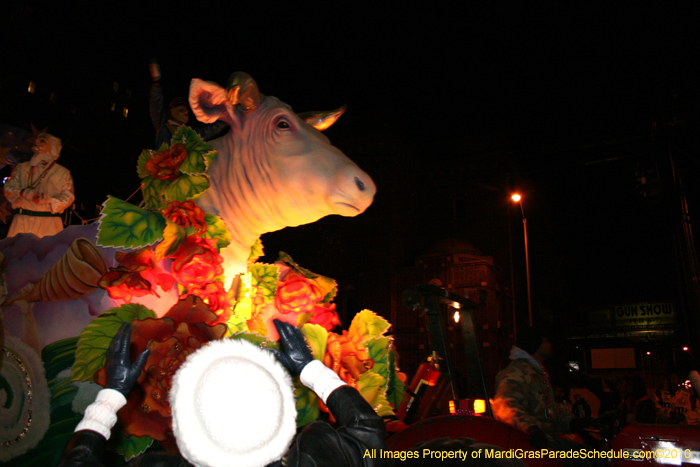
(40, 190)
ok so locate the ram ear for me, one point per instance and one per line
(242, 91)
(208, 101)
(322, 120)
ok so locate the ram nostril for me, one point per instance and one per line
(360, 185)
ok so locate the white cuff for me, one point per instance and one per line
(320, 379)
(101, 415)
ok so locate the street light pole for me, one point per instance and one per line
(517, 198)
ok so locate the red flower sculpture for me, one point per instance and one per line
(164, 165)
(217, 299)
(136, 275)
(326, 316)
(349, 359)
(171, 339)
(186, 214)
(297, 294)
(197, 263)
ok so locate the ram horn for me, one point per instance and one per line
(75, 275)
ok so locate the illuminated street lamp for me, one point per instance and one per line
(518, 199)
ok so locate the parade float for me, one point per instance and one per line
(185, 269)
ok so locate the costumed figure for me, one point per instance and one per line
(40, 190)
(525, 400)
(233, 405)
(168, 121)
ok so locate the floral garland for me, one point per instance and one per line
(172, 227)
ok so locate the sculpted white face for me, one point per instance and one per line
(272, 169)
(309, 177)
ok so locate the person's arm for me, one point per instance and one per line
(65, 195)
(359, 426)
(86, 446)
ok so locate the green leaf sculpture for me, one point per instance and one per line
(132, 446)
(378, 349)
(124, 225)
(367, 325)
(256, 251)
(94, 341)
(317, 338)
(217, 230)
(371, 386)
(264, 277)
(173, 236)
(307, 406)
(186, 187)
(152, 190)
(199, 153)
(395, 388)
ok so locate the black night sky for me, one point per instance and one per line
(564, 101)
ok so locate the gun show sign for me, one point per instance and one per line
(645, 316)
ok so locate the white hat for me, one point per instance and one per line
(232, 405)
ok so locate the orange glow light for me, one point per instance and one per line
(452, 406)
(516, 197)
(479, 406)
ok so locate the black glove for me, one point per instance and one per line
(578, 424)
(538, 439)
(296, 352)
(121, 374)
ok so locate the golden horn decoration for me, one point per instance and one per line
(76, 274)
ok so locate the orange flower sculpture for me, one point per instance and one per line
(186, 214)
(171, 339)
(136, 275)
(164, 165)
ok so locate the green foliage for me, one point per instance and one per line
(199, 153)
(256, 251)
(96, 337)
(264, 276)
(378, 349)
(367, 325)
(152, 191)
(173, 236)
(217, 230)
(307, 404)
(235, 324)
(124, 225)
(371, 386)
(132, 446)
(186, 187)
(317, 338)
(395, 388)
(145, 155)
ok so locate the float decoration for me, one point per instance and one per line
(174, 228)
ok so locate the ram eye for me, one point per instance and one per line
(282, 124)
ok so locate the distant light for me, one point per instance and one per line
(125, 112)
(516, 197)
(5, 179)
(456, 316)
(685, 349)
(648, 353)
(115, 86)
(114, 104)
(32, 87)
